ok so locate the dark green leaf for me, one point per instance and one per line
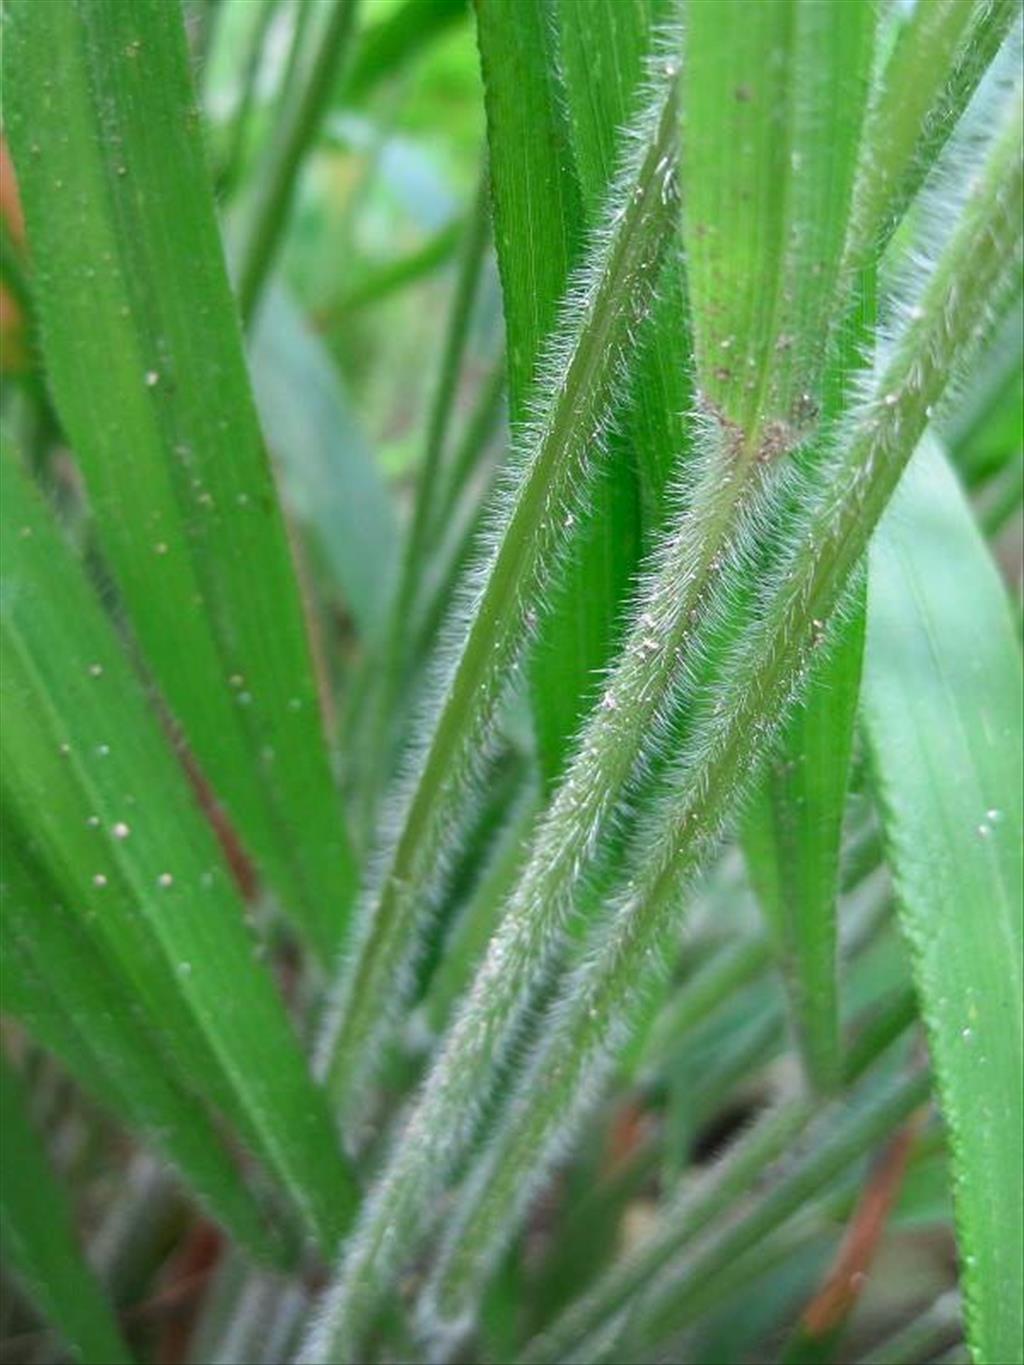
(89, 776)
(387, 45)
(792, 839)
(145, 364)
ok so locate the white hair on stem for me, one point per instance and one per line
(581, 380)
(739, 714)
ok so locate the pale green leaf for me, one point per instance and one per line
(327, 474)
(943, 692)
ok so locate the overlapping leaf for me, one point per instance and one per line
(88, 774)
(144, 360)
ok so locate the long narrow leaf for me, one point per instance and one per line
(296, 129)
(792, 840)
(540, 216)
(943, 696)
(144, 360)
(605, 47)
(88, 772)
(392, 41)
(327, 473)
(535, 190)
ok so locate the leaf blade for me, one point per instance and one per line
(88, 771)
(942, 691)
(327, 469)
(540, 211)
(774, 96)
(60, 988)
(143, 353)
(606, 50)
(792, 841)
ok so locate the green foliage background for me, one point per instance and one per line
(512, 747)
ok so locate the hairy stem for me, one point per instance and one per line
(390, 666)
(937, 62)
(577, 388)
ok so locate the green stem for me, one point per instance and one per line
(241, 121)
(938, 60)
(286, 154)
(456, 528)
(379, 282)
(465, 945)
(391, 666)
(727, 971)
(479, 428)
(881, 1028)
(556, 453)
(471, 262)
(300, 27)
